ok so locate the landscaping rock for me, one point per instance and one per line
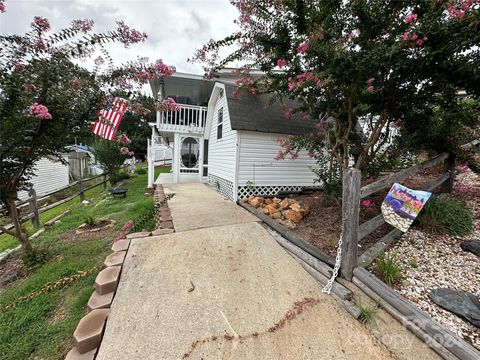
(268, 201)
(138, 235)
(166, 224)
(107, 280)
(88, 334)
(98, 301)
(461, 303)
(115, 259)
(162, 232)
(293, 215)
(285, 203)
(257, 202)
(471, 246)
(121, 245)
(288, 223)
(277, 215)
(165, 218)
(75, 355)
(272, 208)
(277, 200)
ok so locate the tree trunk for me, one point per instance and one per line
(21, 234)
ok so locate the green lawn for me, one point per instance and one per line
(42, 327)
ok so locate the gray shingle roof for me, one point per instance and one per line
(255, 113)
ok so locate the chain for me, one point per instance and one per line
(338, 259)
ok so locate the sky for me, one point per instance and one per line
(175, 27)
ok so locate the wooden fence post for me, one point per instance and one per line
(104, 178)
(350, 216)
(80, 190)
(449, 166)
(32, 205)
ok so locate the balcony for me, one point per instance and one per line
(189, 119)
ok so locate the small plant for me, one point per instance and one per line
(34, 259)
(249, 186)
(442, 214)
(367, 313)
(330, 242)
(413, 263)
(90, 220)
(217, 185)
(387, 266)
(141, 171)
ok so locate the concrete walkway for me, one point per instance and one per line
(222, 288)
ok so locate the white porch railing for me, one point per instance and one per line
(189, 118)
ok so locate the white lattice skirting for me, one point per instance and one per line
(223, 186)
(244, 191)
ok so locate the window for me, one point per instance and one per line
(220, 124)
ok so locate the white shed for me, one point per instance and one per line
(50, 175)
(232, 144)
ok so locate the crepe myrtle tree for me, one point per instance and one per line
(46, 99)
(392, 63)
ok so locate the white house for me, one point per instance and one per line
(231, 142)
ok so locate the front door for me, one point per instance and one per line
(190, 159)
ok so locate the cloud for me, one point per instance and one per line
(176, 28)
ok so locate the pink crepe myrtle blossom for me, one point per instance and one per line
(40, 44)
(371, 80)
(19, 66)
(302, 48)
(123, 139)
(39, 111)
(129, 36)
(289, 114)
(126, 151)
(280, 155)
(406, 36)
(366, 203)
(2, 6)
(354, 34)
(128, 225)
(83, 25)
(120, 236)
(410, 18)
(163, 69)
(414, 36)
(75, 83)
(168, 104)
(281, 63)
(419, 42)
(40, 23)
(371, 88)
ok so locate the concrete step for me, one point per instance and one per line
(121, 245)
(75, 355)
(138, 235)
(115, 259)
(88, 334)
(98, 301)
(107, 280)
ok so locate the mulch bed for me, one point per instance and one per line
(11, 270)
(322, 226)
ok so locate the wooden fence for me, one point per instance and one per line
(353, 193)
(32, 201)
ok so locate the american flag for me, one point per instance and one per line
(109, 120)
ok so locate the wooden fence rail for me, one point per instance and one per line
(353, 232)
(32, 201)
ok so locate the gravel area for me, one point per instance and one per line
(432, 261)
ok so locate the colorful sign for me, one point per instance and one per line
(402, 205)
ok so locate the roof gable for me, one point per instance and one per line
(255, 113)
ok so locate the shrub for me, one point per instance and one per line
(34, 259)
(90, 220)
(141, 171)
(442, 214)
(388, 268)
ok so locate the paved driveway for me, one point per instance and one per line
(222, 288)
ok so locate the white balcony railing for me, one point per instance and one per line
(189, 118)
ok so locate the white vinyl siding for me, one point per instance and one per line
(49, 176)
(222, 152)
(258, 166)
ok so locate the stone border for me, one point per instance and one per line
(89, 332)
